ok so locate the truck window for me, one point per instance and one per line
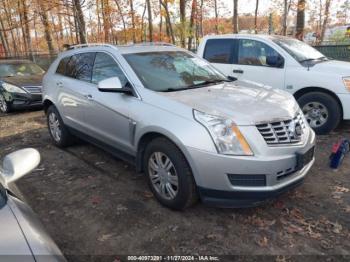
(256, 53)
(220, 51)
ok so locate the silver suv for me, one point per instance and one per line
(192, 131)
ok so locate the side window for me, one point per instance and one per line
(80, 66)
(105, 67)
(256, 53)
(220, 51)
(84, 66)
(61, 69)
(71, 66)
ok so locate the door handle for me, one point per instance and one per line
(238, 71)
(88, 96)
(59, 84)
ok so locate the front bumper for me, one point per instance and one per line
(345, 100)
(23, 100)
(277, 165)
(252, 197)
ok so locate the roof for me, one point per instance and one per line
(253, 36)
(123, 49)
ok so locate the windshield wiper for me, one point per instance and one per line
(194, 86)
(207, 82)
(322, 58)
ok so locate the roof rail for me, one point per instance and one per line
(153, 44)
(70, 47)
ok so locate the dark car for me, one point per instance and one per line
(20, 85)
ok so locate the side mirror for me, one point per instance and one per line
(18, 164)
(113, 84)
(275, 61)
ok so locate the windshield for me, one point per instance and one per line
(172, 70)
(299, 50)
(20, 69)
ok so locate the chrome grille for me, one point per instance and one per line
(33, 89)
(283, 132)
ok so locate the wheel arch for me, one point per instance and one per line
(47, 103)
(148, 136)
(310, 89)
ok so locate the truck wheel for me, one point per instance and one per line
(321, 110)
(169, 175)
(58, 131)
(4, 106)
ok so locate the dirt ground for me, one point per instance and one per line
(94, 204)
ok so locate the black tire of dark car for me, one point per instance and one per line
(187, 191)
(66, 138)
(5, 107)
(331, 105)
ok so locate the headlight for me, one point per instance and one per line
(226, 135)
(346, 81)
(12, 88)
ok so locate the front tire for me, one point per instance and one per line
(169, 175)
(58, 131)
(321, 110)
(4, 105)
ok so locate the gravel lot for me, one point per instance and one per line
(94, 204)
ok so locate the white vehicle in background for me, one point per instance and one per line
(320, 85)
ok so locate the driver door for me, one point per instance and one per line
(258, 62)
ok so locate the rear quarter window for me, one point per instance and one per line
(220, 51)
(61, 69)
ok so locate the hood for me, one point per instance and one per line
(333, 66)
(12, 239)
(21, 81)
(245, 103)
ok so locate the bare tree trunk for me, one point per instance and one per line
(285, 17)
(182, 6)
(9, 22)
(216, 16)
(193, 14)
(3, 42)
(132, 12)
(201, 19)
(143, 32)
(160, 20)
(27, 30)
(79, 16)
(256, 17)
(123, 19)
(167, 18)
(235, 16)
(300, 20)
(106, 24)
(150, 20)
(47, 30)
(325, 21)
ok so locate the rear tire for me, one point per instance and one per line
(5, 107)
(321, 110)
(179, 190)
(58, 131)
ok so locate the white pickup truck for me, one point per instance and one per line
(320, 85)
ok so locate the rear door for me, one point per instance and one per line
(74, 86)
(222, 53)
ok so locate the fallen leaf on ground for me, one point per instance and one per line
(104, 237)
(263, 242)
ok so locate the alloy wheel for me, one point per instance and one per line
(163, 175)
(55, 127)
(3, 104)
(316, 114)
